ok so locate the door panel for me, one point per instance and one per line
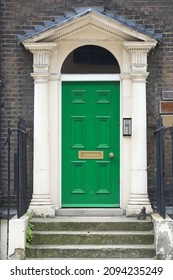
(90, 132)
(103, 132)
(103, 179)
(78, 128)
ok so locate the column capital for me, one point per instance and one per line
(41, 54)
(138, 52)
(54, 77)
(139, 77)
(40, 77)
(125, 76)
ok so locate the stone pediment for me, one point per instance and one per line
(89, 23)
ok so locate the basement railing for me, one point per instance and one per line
(164, 144)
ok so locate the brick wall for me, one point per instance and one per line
(17, 63)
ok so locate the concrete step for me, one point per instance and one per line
(121, 223)
(92, 237)
(91, 251)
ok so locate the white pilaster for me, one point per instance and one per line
(41, 204)
(126, 141)
(139, 192)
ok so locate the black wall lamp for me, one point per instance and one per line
(127, 126)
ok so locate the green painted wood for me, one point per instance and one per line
(90, 122)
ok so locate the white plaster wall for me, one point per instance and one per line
(17, 236)
(3, 239)
(163, 232)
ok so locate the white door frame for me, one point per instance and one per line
(78, 78)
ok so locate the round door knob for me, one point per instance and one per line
(111, 155)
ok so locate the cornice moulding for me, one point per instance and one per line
(139, 46)
(40, 46)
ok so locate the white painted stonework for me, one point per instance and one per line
(50, 49)
(17, 237)
(163, 232)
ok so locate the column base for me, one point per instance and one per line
(42, 206)
(136, 203)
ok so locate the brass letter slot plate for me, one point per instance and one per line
(90, 154)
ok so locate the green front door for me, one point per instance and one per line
(90, 144)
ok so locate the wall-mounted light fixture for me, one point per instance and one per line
(127, 126)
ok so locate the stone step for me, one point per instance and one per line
(90, 251)
(92, 237)
(121, 223)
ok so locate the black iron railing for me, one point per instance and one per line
(164, 190)
(20, 168)
(20, 172)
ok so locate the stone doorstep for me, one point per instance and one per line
(93, 232)
(91, 251)
(92, 237)
(97, 212)
(119, 246)
(92, 224)
(94, 219)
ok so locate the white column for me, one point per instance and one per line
(54, 131)
(139, 192)
(41, 204)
